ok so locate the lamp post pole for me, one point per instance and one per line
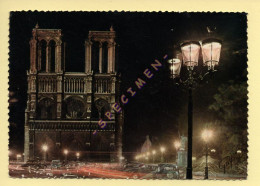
(189, 57)
(162, 154)
(44, 148)
(77, 155)
(207, 135)
(66, 154)
(206, 168)
(153, 153)
(18, 156)
(190, 131)
(162, 158)
(177, 146)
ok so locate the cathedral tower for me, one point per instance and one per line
(63, 108)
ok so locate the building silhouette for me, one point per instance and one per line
(63, 108)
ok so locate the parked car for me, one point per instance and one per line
(28, 164)
(141, 171)
(133, 165)
(49, 174)
(153, 167)
(56, 164)
(39, 166)
(34, 165)
(135, 173)
(80, 164)
(167, 171)
(69, 175)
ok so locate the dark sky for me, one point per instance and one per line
(160, 108)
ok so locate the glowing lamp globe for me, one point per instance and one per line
(66, 151)
(175, 67)
(211, 52)
(207, 134)
(45, 148)
(190, 54)
(177, 144)
(162, 149)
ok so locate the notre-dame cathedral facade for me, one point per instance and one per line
(63, 108)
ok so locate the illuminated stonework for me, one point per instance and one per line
(63, 108)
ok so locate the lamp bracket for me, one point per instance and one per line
(193, 80)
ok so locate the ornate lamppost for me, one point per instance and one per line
(137, 157)
(147, 155)
(177, 145)
(190, 56)
(162, 149)
(77, 155)
(18, 157)
(206, 135)
(66, 154)
(44, 148)
(153, 153)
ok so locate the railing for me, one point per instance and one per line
(102, 84)
(74, 83)
(230, 161)
(69, 125)
(47, 84)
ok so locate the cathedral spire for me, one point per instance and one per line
(37, 26)
(111, 28)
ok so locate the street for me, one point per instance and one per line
(104, 170)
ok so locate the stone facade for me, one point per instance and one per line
(63, 108)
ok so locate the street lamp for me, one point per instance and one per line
(213, 150)
(18, 156)
(162, 149)
(211, 52)
(143, 156)
(44, 148)
(175, 67)
(153, 153)
(147, 155)
(177, 145)
(10, 154)
(190, 56)
(122, 158)
(206, 135)
(66, 154)
(239, 153)
(77, 155)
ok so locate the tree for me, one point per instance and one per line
(230, 106)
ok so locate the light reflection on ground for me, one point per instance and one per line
(97, 170)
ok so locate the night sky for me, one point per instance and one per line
(160, 108)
